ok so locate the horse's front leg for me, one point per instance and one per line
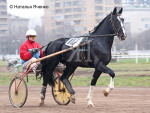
(89, 97)
(110, 87)
(93, 83)
(48, 67)
(105, 69)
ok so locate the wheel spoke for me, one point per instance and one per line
(61, 96)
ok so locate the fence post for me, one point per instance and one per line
(136, 49)
(136, 59)
(117, 58)
(147, 60)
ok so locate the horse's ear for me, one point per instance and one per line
(120, 11)
(114, 11)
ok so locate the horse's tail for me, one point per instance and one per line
(60, 43)
(44, 67)
(50, 49)
(45, 51)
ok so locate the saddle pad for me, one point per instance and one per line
(73, 42)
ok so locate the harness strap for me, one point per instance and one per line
(99, 35)
(83, 57)
(82, 52)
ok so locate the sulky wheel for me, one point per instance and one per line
(18, 99)
(60, 95)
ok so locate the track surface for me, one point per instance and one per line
(120, 100)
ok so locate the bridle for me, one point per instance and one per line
(116, 30)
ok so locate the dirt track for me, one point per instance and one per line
(121, 100)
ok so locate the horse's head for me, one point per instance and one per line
(118, 24)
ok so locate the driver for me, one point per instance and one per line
(29, 51)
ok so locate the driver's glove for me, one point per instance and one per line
(33, 51)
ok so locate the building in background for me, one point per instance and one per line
(137, 16)
(17, 27)
(17, 24)
(137, 19)
(3, 26)
(136, 3)
(77, 17)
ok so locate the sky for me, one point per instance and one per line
(34, 14)
(26, 13)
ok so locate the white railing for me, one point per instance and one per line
(136, 57)
(117, 57)
(10, 56)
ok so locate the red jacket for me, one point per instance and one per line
(25, 54)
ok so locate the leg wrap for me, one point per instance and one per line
(43, 91)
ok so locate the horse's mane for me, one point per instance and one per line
(96, 28)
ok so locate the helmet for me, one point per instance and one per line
(30, 32)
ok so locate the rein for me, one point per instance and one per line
(43, 46)
(98, 35)
(116, 30)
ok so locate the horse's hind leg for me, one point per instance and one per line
(42, 96)
(44, 86)
(105, 69)
(45, 82)
(47, 77)
(64, 78)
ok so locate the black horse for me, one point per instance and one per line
(100, 55)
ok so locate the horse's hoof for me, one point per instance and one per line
(41, 103)
(42, 97)
(72, 99)
(91, 105)
(106, 92)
